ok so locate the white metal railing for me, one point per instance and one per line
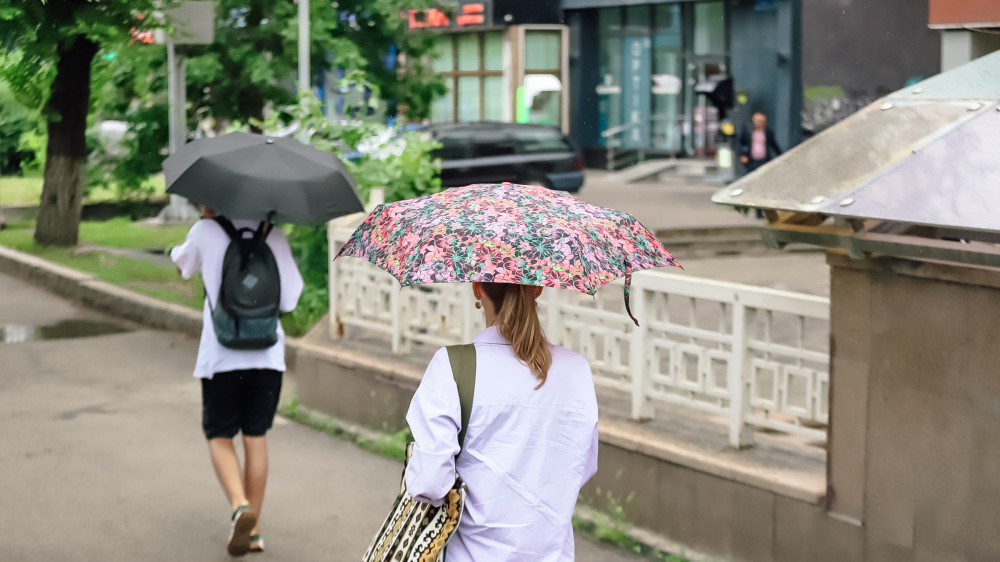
(758, 356)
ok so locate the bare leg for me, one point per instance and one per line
(227, 469)
(255, 476)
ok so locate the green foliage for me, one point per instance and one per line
(253, 61)
(33, 143)
(34, 31)
(15, 121)
(402, 166)
(130, 87)
(235, 77)
(407, 170)
(816, 93)
(309, 246)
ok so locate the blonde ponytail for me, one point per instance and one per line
(517, 321)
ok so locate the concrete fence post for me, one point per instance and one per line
(336, 328)
(638, 363)
(739, 375)
(396, 307)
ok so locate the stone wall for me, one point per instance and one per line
(915, 433)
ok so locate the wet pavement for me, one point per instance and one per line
(65, 329)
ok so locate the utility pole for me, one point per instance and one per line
(194, 23)
(305, 83)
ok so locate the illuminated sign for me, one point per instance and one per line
(466, 14)
(472, 14)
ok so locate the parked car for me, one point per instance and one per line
(488, 152)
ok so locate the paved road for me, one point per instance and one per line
(102, 457)
(676, 203)
(673, 202)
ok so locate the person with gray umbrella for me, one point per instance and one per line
(243, 182)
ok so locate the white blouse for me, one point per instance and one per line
(527, 452)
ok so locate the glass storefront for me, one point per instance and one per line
(651, 58)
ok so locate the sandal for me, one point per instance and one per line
(243, 522)
(256, 543)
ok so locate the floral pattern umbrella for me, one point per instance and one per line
(504, 233)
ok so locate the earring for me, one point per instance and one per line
(479, 305)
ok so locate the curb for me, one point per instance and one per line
(87, 289)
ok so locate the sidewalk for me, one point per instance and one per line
(104, 460)
(670, 203)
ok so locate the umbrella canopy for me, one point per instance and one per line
(247, 176)
(506, 233)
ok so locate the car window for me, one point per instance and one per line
(494, 144)
(541, 141)
(454, 148)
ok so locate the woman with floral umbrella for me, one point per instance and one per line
(531, 437)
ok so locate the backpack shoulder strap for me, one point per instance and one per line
(463, 368)
(227, 225)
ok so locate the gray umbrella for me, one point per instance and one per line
(247, 176)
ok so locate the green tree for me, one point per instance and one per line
(253, 61)
(129, 84)
(56, 42)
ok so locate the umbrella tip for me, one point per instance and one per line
(269, 141)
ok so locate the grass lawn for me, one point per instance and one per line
(157, 281)
(123, 233)
(15, 191)
(18, 190)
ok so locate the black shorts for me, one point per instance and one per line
(239, 401)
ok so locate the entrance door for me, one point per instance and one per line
(636, 91)
(703, 117)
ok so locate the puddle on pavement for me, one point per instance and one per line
(67, 329)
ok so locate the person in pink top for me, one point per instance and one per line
(757, 146)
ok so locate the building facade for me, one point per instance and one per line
(969, 29)
(635, 68)
(502, 60)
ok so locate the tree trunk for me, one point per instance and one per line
(66, 154)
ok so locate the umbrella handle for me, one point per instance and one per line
(270, 222)
(628, 291)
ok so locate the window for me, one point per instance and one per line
(472, 65)
(543, 86)
(454, 148)
(542, 50)
(710, 28)
(541, 141)
(490, 144)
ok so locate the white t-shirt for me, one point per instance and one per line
(203, 251)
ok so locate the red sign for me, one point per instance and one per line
(472, 14)
(428, 18)
(469, 14)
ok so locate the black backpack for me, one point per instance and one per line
(246, 314)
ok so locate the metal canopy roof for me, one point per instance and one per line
(928, 154)
(915, 174)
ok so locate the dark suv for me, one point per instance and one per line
(488, 152)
